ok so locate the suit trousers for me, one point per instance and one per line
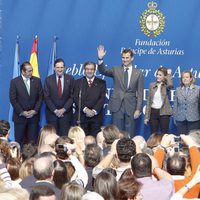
(31, 128)
(124, 121)
(158, 121)
(61, 125)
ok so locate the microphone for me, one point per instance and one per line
(79, 104)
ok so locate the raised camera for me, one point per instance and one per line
(62, 147)
(177, 139)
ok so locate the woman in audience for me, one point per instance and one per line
(26, 168)
(13, 166)
(46, 130)
(129, 189)
(60, 176)
(158, 109)
(77, 134)
(72, 191)
(106, 185)
(187, 104)
(154, 141)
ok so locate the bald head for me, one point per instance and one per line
(43, 168)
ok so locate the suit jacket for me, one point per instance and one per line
(187, 106)
(53, 101)
(22, 101)
(92, 97)
(166, 107)
(132, 96)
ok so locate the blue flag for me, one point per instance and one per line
(52, 57)
(16, 72)
(50, 71)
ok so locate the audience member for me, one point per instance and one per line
(142, 168)
(72, 191)
(106, 185)
(42, 192)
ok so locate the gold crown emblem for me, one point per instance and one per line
(152, 5)
(152, 21)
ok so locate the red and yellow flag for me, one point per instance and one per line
(33, 58)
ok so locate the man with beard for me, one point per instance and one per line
(89, 97)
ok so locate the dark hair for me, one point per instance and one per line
(89, 63)
(126, 148)
(40, 190)
(141, 165)
(129, 188)
(128, 51)
(29, 150)
(110, 170)
(126, 174)
(13, 166)
(106, 185)
(23, 66)
(61, 153)
(92, 155)
(164, 71)
(111, 133)
(58, 60)
(4, 128)
(60, 176)
(176, 165)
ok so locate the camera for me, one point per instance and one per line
(62, 147)
(177, 139)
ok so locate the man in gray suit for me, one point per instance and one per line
(126, 100)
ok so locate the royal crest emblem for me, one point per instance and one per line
(152, 21)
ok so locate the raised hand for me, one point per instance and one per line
(101, 52)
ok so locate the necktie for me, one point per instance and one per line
(59, 87)
(90, 83)
(27, 85)
(126, 77)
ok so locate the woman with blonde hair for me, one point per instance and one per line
(187, 104)
(45, 131)
(77, 134)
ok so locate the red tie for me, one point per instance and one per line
(59, 87)
(90, 83)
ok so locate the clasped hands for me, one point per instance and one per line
(59, 112)
(89, 112)
(29, 113)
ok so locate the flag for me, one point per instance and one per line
(33, 58)
(16, 72)
(52, 57)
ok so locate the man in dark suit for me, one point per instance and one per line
(26, 98)
(126, 100)
(58, 94)
(89, 97)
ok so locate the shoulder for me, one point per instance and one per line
(50, 77)
(67, 76)
(152, 85)
(100, 80)
(35, 78)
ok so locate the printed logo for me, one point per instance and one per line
(152, 21)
